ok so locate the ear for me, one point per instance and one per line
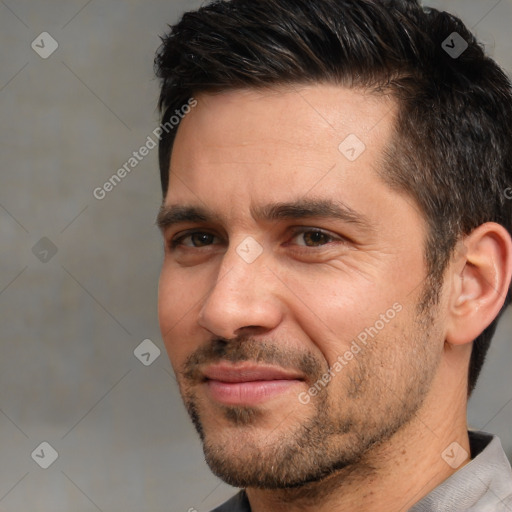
(480, 277)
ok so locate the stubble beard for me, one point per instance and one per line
(336, 434)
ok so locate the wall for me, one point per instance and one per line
(78, 274)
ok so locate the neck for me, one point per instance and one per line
(392, 476)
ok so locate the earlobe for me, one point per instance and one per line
(480, 280)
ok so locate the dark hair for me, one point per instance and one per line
(452, 146)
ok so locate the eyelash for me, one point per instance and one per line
(177, 241)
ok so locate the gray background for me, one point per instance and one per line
(69, 326)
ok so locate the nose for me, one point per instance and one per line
(242, 297)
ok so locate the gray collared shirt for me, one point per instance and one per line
(482, 485)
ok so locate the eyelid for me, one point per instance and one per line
(303, 229)
(177, 239)
(306, 229)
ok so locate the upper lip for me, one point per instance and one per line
(248, 372)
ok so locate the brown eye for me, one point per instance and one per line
(201, 239)
(313, 238)
(195, 239)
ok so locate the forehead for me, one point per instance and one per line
(275, 145)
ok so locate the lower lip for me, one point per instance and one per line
(248, 393)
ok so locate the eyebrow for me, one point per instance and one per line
(170, 215)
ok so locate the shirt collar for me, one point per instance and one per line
(485, 483)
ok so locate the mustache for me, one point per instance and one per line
(246, 349)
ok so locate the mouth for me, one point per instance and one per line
(247, 383)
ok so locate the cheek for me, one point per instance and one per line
(177, 303)
(346, 310)
(166, 301)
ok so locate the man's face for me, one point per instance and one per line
(294, 332)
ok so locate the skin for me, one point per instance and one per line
(373, 438)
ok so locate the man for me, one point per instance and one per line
(338, 250)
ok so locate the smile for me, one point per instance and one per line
(247, 384)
